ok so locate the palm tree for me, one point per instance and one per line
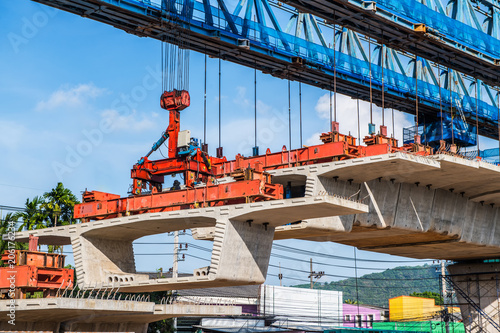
(4, 226)
(351, 301)
(33, 217)
(59, 205)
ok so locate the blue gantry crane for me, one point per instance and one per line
(437, 52)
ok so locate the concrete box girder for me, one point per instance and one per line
(243, 236)
(76, 314)
(420, 207)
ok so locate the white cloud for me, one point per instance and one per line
(241, 97)
(314, 140)
(130, 122)
(73, 97)
(348, 118)
(13, 134)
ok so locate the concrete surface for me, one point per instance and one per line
(480, 282)
(72, 314)
(440, 207)
(243, 236)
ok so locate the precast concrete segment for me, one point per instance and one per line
(243, 239)
(480, 281)
(274, 212)
(441, 207)
(73, 314)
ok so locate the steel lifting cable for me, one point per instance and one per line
(255, 102)
(393, 129)
(334, 72)
(440, 98)
(498, 118)
(370, 74)
(359, 128)
(331, 120)
(220, 101)
(477, 111)
(383, 87)
(289, 118)
(300, 111)
(416, 89)
(451, 106)
(205, 102)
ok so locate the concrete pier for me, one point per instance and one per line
(480, 281)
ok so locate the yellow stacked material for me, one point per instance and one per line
(410, 308)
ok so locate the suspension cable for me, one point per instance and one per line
(416, 89)
(300, 111)
(440, 99)
(451, 107)
(393, 127)
(370, 75)
(383, 87)
(498, 118)
(205, 103)
(255, 102)
(477, 111)
(289, 118)
(359, 126)
(220, 101)
(334, 72)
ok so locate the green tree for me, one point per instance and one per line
(59, 205)
(33, 217)
(53, 208)
(430, 294)
(350, 301)
(4, 226)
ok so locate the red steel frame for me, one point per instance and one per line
(204, 196)
(33, 271)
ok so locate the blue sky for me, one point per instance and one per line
(65, 79)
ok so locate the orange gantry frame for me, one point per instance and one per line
(204, 196)
(33, 271)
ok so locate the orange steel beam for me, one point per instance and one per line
(32, 278)
(205, 196)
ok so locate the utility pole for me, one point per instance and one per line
(311, 273)
(280, 276)
(175, 267)
(314, 274)
(176, 255)
(443, 286)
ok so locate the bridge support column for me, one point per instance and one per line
(477, 288)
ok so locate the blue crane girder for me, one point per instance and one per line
(202, 26)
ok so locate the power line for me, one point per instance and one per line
(331, 256)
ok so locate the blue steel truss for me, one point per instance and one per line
(462, 35)
(251, 35)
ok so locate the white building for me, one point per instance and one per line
(298, 307)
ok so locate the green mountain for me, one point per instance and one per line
(377, 288)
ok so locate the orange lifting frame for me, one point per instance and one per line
(205, 196)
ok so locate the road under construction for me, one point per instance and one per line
(416, 199)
